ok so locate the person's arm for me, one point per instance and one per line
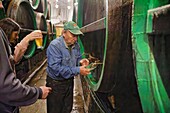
(21, 47)
(13, 92)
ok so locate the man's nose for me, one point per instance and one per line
(75, 38)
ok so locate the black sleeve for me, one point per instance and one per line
(40, 93)
(13, 92)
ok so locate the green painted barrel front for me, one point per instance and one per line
(151, 51)
(22, 12)
(49, 11)
(42, 7)
(95, 78)
(34, 3)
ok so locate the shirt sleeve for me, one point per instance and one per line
(20, 49)
(13, 92)
(54, 60)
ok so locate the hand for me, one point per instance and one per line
(35, 34)
(84, 62)
(1, 5)
(46, 91)
(84, 71)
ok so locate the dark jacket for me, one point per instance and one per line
(12, 92)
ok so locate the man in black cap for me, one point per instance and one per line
(63, 58)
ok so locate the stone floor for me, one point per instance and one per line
(40, 105)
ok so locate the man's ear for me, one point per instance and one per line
(64, 32)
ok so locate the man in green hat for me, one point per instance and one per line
(64, 59)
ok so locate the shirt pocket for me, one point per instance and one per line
(77, 59)
(66, 61)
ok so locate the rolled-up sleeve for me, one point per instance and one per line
(20, 49)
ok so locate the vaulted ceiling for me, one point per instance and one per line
(61, 10)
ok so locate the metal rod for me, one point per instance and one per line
(160, 10)
(30, 30)
(94, 26)
(33, 73)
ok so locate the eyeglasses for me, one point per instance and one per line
(73, 36)
(70, 35)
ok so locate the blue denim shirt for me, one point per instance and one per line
(62, 64)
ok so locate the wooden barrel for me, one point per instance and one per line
(49, 11)
(22, 12)
(42, 25)
(107, 37)
(41, 6)
(50, 32)
(104, 40)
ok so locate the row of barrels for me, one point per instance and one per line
(42, 6)
(131, 39)
(32, 15)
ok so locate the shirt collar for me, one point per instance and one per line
(64, 43)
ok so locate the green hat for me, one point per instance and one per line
(73, 28)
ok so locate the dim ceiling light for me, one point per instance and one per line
(76, 3)
(56, 6)
(68, 7)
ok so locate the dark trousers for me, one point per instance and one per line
(60, 100)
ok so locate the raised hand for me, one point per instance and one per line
(84, 71)
(34, 34)
(84, 62)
